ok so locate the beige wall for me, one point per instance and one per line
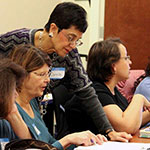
(24, 13)
(16, 14)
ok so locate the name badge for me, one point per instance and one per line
(36, 129)
(48, 97)
(57, 73)
(3, 142)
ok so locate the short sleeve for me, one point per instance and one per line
(104, 95)
(105, 99)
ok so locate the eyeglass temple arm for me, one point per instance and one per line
(83, 55)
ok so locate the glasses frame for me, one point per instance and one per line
(43, 75)
(126, 57)
(70, 40)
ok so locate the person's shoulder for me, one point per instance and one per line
(6, 130)
(143, 86)
(5, 127)
(145, 83)
(146, 80)
(99, 85)
(16, 31)
(4, 122)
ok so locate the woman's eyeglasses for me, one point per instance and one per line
(71, 39)
(43, 75)
(126, 58)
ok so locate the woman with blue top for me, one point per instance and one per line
(38, 66)
(142, 84)
(11, 76)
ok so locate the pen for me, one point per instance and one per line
(93, 142)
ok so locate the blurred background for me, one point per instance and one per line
(129, 20)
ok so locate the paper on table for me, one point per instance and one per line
(116, 146)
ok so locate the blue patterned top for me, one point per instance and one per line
(37, 126)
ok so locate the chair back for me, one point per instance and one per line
(60, 96)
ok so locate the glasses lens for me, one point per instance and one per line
(79, 43)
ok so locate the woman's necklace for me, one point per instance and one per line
(44, 47)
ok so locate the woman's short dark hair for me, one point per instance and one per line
(68, 14)
(11, 76)
(101, 56)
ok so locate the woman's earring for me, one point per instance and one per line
(50, 34)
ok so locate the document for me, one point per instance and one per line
(145, 132)
(116, 146)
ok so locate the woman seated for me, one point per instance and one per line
(108, 63)
(142, 84)
(11, 76)
(38, 66)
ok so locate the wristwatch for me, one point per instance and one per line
(107, 132)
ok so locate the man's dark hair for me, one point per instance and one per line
(68, 14)
(101, 56)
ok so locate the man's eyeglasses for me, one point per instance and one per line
(43, 75)
(126, 58)
(71, 39)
